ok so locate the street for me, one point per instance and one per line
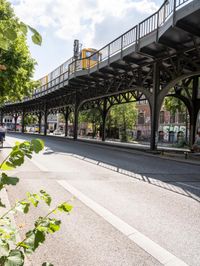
(130, 208)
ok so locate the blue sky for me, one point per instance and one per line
(94, 22)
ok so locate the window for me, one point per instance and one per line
(141, 118)
(94, 57)
(181, 117)
(172, 118)
(162, 117)
(88, 54)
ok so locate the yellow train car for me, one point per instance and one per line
(44, 80)
(87, 58)
(90, 57)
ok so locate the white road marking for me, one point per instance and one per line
(197, 188)
(156, 251)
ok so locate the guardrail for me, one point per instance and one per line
(133, 36)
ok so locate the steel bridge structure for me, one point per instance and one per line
(159, 57)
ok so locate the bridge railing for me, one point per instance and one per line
(148, 25)
(114, 47)
(166, 10)
(133, 36)
(182, 2)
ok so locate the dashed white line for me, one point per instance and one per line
(155, 250)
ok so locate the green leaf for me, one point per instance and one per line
(10, 34)
(3, 43)
(36, 37)
(34, 239)
(48, 225)
(23, 28)
(7, 166)
(33, 198)
(65, 207)
(46, 197)
(7, 232)
(15, 258)
(22, 206)
(47, 264)
(37, 145)
(1, 185)
(9, 180)
(2, 260)
(16, 158)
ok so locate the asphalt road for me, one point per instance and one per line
(158, 198)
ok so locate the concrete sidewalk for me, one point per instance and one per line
(175, 154)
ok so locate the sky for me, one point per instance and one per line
(94, 23)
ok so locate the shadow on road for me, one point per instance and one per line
(167, 174)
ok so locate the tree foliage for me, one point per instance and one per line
(123, 117)
(173, 105)
(30, 120)
(92, 116)
(12, 252)
(16, 64)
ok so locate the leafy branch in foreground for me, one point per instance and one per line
(12, 252)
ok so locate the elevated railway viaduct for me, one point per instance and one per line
(158, 57)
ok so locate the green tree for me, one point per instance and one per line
(173, 104)
(92, 116)
(123, 117)
(16, 64)
(30, 120)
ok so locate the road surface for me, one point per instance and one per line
(130, 208)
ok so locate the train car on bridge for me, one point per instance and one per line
(87, 58)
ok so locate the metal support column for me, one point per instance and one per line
(194, 113)
(104, 114)
(39, 122)
(76, 111)
(15, 121)
(1, 121)
(66, 115)
(22, 122)
(75, 123)
(45, 120)
(154, 106)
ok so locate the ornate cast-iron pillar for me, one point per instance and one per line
(1, 119)
(45, 119)
(76, 111)
(66, 115)
(194, 111)
(155, 106)
(15, 121)
(23, 117)
(104, 114)
(39, 122)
